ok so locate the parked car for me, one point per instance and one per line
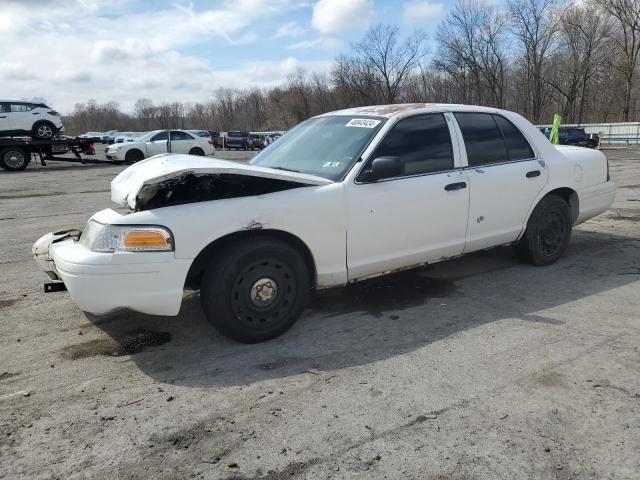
(122, 137)
(92, 135)
(18, 117)
(256, 141)
(156, 142)
(109, 136)
(237, 140)
(575, 136)
(342, 197)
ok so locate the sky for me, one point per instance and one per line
(68, 51)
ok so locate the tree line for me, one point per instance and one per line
(535, 57)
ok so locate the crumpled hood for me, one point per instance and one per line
(127, 185)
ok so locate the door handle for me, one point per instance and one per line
(3, 116)
(455, 186)
(533, 173)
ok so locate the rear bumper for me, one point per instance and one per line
(100, 283)
(595, 200)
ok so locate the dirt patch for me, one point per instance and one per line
(8, 303)
(129, 344)
(6, 375)
(392, 292)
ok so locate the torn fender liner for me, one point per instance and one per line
(161, 171)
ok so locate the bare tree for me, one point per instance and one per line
(626, 14)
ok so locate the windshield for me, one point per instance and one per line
(324, 146)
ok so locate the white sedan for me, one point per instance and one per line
(340, 198)
(153, 143)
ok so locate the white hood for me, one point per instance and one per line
(127, 185)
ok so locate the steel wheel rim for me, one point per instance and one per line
(14, 159)
(552, 233)
(263, 294)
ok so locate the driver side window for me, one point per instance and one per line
(160, 136)
(422, 143)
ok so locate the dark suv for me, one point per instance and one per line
(575, 136)
(238, 140)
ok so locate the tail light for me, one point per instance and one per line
(210, 142)
(54, 113)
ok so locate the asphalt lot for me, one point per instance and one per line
(477, 368)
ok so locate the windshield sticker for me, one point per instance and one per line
(363, 123)
(331, 164)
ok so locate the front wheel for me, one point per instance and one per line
(14, 159)
(133, 156)
(548, 232)
(255, 289)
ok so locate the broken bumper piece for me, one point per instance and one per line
(100, 283)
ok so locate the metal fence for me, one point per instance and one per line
(627, 133)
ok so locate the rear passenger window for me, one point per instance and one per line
(482, 138)
(422, 142)
(21, 107)
(517, 145)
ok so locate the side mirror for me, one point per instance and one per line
(385, 167)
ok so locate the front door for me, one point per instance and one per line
(416, 217)
(158, 143)
(505, 178)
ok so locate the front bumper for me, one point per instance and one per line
(99, 283)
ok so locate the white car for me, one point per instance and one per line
(340, 198)
(153, 143)
(19, 117)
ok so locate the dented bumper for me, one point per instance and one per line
(100, 283)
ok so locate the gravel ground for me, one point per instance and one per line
(477, 368)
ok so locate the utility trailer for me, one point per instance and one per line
(17, 152)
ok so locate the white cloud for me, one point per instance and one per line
(320, 43)
(132, 53)
(420, 9)
(330, 16)
(289, 30)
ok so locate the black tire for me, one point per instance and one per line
(233, 281)
(196, 151)
(14, 159)
(133, 156)
(548, 232)
(44, 130)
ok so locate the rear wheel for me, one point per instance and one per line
(44, 130)
(196, 151)
(133, 156)
(255, 290)
(548, 232)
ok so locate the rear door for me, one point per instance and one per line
(505, 178)
(21, 117)
(4, 117)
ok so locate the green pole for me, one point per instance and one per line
(554, 137)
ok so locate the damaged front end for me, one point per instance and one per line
(192, 188)
(41, 253)
(167, 180)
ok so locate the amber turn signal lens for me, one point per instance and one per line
(145, 239)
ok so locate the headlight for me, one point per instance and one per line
(126, 238)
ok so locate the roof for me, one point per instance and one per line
(397, 108)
